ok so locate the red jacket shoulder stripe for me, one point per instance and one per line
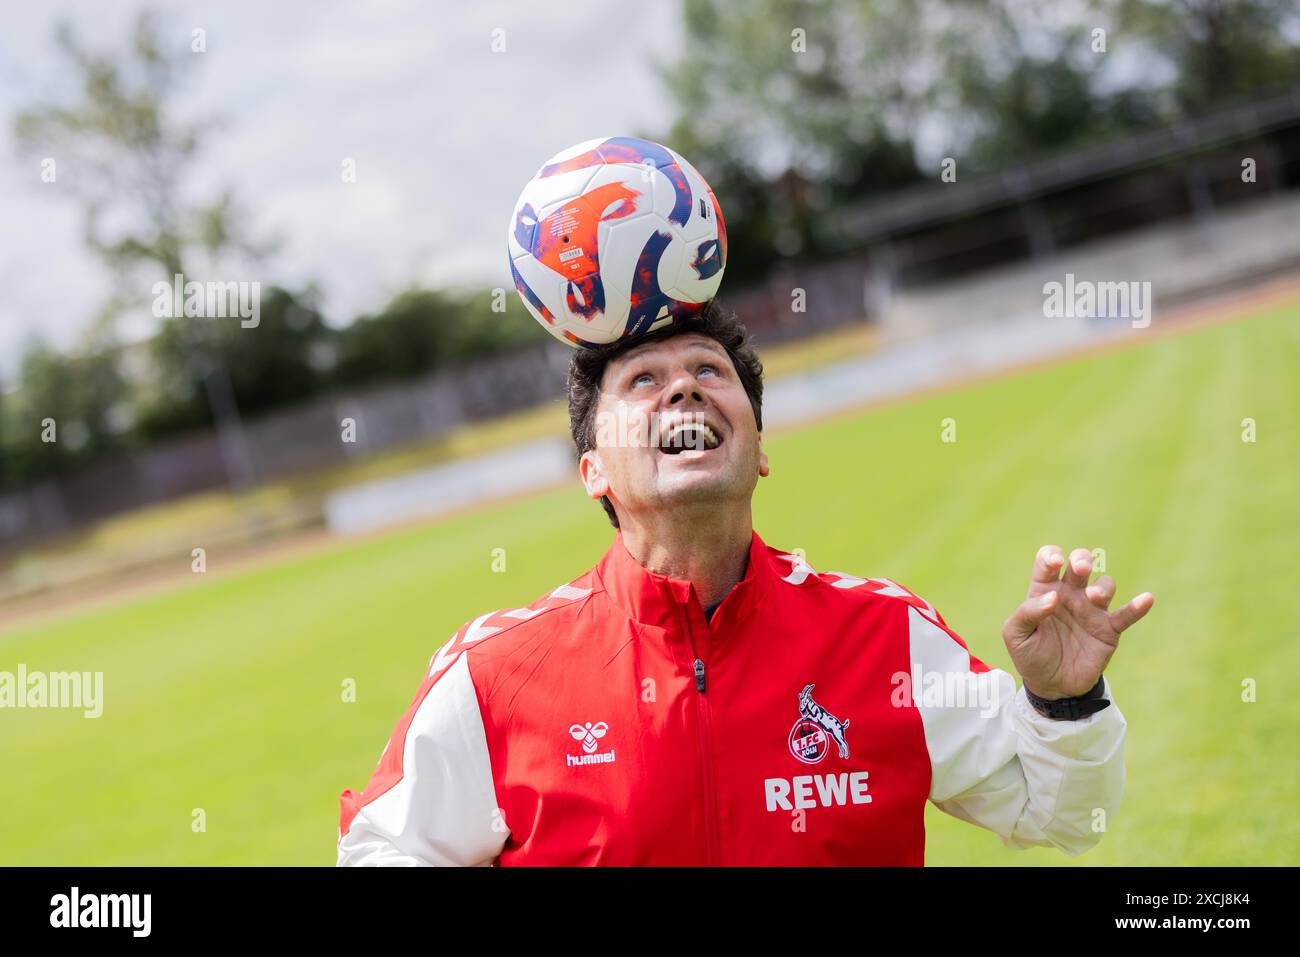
(499, 621)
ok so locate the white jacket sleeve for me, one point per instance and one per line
(431, 801)
(998, 763)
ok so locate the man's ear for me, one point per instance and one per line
(593, 474)
(763, 468)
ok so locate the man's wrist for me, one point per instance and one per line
(1070, 709)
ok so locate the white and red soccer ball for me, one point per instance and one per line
(615, 237)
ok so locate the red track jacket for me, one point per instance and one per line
(807, 722)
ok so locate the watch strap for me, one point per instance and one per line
(1070, 709)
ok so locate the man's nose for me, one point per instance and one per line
(684, 387)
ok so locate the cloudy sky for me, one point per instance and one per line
(444, 133)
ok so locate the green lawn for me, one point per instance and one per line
(225, 695)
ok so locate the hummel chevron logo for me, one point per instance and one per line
(589, 734)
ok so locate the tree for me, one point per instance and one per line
(126, 155)
(69, 410)
(289, 359)
(420, 330)
(850, 99)
(1214, 51)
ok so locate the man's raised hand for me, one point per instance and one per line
(1063, 634)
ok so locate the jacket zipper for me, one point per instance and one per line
(712, 839)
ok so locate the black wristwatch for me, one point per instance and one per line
(1070, 709)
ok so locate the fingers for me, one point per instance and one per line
(1047, 565)
(1101, 592)
(1025, 619)
(1078, 568)
(1132, 612)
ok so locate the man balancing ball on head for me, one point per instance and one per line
(699, 697)
(702, 698)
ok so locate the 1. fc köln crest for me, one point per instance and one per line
(812, 734)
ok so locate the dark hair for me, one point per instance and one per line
(587, 369)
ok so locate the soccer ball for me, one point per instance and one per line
(613, 238)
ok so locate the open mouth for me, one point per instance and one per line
(689, 435)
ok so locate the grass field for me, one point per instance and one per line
(225, 694)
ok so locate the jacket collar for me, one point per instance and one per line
(659, 600)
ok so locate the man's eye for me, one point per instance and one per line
(640, 376)
(710, 369)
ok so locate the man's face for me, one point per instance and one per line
(673, 427)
